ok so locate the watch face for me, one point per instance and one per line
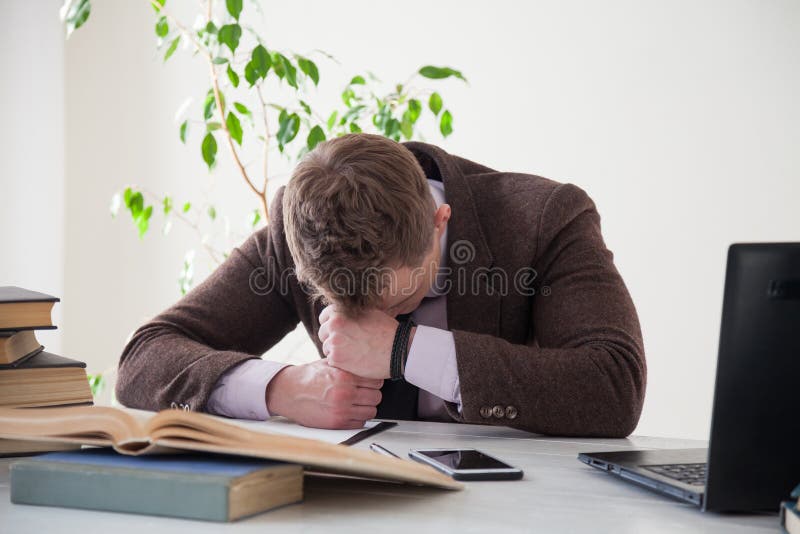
(465, 459)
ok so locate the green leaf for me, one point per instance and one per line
(142, 220)
(258, 66)
(392, 129)
(210, 103)
(96, 383)
(219, 61)
(438, 73)
(255, 218)
(213, 125)
(289, 126)
(261, 60)
(157, 4)
(212, 212)
(77, 15)
(446, 123)
(353, 113)
(284, 69)
(234, 127)
(232, 76)
(332, 119)
(309, 68)
(242, 109)
(211, 28)
(209, 150)
(407, 128)
(172, 47)
(234, 7)
(251, 73)
(414, 110)
(229, 35)
(315, 137)
(382, 116)
(347, 96)
(184, 128)
(167, 203)
(355, 128)
(187, 207)
(134, 201)
(305, 107)
(435, 103)
(358, 80)
(162, 27)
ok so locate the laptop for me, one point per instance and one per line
(753, 458)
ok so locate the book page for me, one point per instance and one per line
(273, 425)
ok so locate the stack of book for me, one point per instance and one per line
(790, 514)
(31, 377)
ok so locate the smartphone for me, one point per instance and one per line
(466, 464)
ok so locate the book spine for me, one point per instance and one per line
(115, 490)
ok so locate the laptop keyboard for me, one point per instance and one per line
(692, 474)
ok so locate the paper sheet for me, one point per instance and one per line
(281, 425)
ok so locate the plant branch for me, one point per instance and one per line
(261, 194)
(216, 255)
(266, 138)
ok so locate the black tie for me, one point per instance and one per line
(398, 397)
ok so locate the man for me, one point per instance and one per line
(519, 316)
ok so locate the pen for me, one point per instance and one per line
(382, 450)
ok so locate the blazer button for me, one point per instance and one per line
(486, 412)
(499, 411)
(511, 412)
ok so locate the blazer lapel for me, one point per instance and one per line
(473, 302)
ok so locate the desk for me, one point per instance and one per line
(558, 494)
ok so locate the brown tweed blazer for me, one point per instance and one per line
(560, 355)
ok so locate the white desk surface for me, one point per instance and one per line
(558, 494)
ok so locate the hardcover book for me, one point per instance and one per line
(44, 379)
(16, 347)
(23, 309)
(194, 486)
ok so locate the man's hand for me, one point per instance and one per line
(321, 396)
(362, 346)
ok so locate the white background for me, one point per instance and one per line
(681, 119)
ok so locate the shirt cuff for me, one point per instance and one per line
(431, 364)
(240, 392)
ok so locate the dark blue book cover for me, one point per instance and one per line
(196, 486)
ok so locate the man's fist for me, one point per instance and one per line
(321, 396)
(361, 345)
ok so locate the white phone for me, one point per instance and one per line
(466, 464)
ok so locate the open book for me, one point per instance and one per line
(178, 430)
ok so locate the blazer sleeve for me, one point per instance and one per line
(236, 314)
(583, 371)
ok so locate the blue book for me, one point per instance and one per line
(194, 486)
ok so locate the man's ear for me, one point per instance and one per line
(440, 218)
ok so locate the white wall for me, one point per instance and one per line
(680, 118)
(32, 153)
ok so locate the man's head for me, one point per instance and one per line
(362, 225)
